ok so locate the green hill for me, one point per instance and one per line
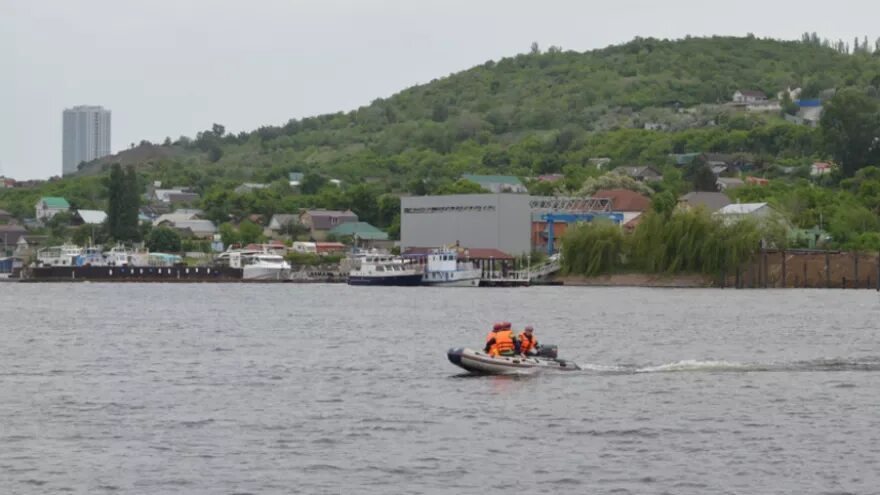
(542, 112)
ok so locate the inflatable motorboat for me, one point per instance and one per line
(478, 362)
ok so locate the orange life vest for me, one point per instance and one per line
(526, 342)
(503, 343)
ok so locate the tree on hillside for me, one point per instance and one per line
(163, 240)
(851, 130)
(218, 130)
(311, 183)
(461, 186)
(249, 232)
(700, 175)
(613, 181)
(123, 203)
(704, 180)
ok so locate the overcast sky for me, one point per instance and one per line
(174, 67)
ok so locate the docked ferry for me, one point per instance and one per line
(385, 269)
(443, 268)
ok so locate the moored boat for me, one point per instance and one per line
(478, 362)
(384, 269)
(444, 269)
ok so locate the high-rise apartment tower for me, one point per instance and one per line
(86, 136)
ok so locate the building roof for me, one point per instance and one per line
(93, 217)
(9, 234)
(361, 229)
(196, 226)
(684, 158)
(175, 217)
(643, 171)
(162, 194)
(55, 202)
(493, 179)
(295, 176)
(741, 208)
(182, 197)
(624, 199)
(323, 219)
(4, 213)
(712, 201)
(283, 219)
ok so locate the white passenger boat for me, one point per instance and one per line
(64, 255)
(265, 266)
(257, 265)
(445, 269)
(384, 269)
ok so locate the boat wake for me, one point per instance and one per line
(871, 363)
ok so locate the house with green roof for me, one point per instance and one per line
(497, 183)
(48, 206)
(361, 230)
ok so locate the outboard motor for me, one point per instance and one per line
(547, 351)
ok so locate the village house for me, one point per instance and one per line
(497, 183)
(281, 221)
(320, 222)
(642, 174)
(199, 229)
(747, 97)
(178, 216)
(88, 217)
(295, 178)
(737, 211)
(821, 168)
(48, 206)
(711, 201)
(630, 203)
(9, 236)
(358, 230)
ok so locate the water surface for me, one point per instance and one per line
(244, 388)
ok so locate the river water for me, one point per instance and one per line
(248, 388)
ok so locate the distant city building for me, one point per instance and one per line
(86, 136)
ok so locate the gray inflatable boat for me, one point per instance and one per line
(478, 362)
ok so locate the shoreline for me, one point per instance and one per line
(640, 280)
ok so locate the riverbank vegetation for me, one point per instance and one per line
(692, 241)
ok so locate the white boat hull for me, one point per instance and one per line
(469, 282)
(251, 272)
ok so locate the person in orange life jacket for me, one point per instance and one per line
(491, 333)
(502, 342)
(527, 341)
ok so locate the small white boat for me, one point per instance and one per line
(266, 266)
(445, 269)
(478, 362)
(257, 265)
